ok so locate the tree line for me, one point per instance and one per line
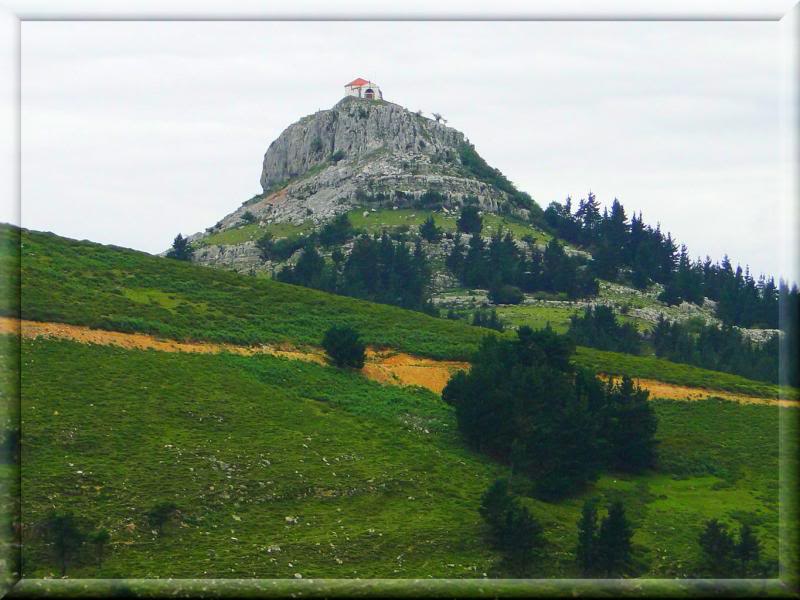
(636, 253)
(720, 349)
(715, 347)
(507, 270)
(377, 269)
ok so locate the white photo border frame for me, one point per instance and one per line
(786, 12)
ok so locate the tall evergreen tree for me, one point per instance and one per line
(429, 231)
(180, 249)
(586, 553)
(718, 548)
(614, 542)
(470, 220)
(748, 551)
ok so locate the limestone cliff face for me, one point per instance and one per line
(354, 128)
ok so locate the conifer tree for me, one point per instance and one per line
(65, 535)
(614, 542)
(718, 548)
(180, 249)
(470, 221)
(429, 231)
(586, 553)
(748, 550)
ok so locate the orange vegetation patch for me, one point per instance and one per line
(141, 341)
(671, 391)
(385, 366)
(405, 369)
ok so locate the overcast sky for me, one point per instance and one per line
(135, 131)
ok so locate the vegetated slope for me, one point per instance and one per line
(123, 290)
(374, 479)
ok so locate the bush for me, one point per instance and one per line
(248, 217)
(343, 344)
(470, 221)
(284, 248)
(506, 294)
(488, 319)
(265, 244)
(337, 156)
(160, 515)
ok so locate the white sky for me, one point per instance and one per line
(134, 131)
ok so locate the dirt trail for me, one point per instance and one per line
(385, 366)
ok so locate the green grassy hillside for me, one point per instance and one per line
(113, 288)
(118, 289)
(375, 222)
(375, 475)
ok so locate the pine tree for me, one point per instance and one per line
(455, 260)
(588, 214)
(614, 542)
(495, 503)
(309, 268)
(99, 539)
(718, 549)
(748, 550)
(429, 231)
(180, 249)
(470, 221)
(66, 536)
(586, 553)
(632, 435)
(476, 273)
(521, 536)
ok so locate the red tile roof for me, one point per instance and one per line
(357, 83)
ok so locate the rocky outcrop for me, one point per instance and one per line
(360, 153)
(354, 128)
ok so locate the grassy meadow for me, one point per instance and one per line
(113, 288)
(373, 478)
(283, 467)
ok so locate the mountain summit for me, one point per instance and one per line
(371, 153)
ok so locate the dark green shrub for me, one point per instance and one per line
(160, 515)
(343, 344)
(506, 294)
(470, 221)
(336, 232)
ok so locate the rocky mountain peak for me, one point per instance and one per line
(353, 128)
